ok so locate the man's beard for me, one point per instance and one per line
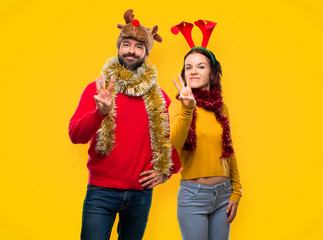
(133, 65)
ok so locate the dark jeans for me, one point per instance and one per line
(101, 206)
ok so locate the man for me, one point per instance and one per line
(124, 116)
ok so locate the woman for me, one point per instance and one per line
(210, 187)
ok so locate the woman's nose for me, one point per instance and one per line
(193, 71)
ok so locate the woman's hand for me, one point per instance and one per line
(103, 98)
(232, 210)
(185, 93)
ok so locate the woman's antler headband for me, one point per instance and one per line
(185, 28)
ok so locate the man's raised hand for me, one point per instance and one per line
(103, 99)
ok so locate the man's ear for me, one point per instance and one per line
(146, 56)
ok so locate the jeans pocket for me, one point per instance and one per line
(228, 189)
(147, 190)
(187, 193)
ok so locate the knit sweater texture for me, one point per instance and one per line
(131, 154)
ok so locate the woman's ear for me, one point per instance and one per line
(214, 79)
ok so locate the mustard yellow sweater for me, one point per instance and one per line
(205, 160)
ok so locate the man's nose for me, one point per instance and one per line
(132, 49)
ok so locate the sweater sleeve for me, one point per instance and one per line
(234, 172)
(86, 119)
(176, 167)
(180, 121)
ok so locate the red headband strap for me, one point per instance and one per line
(206, 30)
(186, 29)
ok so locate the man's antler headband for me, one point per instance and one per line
(135, 30)
(186, 29)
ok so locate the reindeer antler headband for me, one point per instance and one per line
(134, 29)
(186, 29)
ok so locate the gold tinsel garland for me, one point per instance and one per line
(141, 82)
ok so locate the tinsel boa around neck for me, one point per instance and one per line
(141, 82)
(210, 100)
(131, 82)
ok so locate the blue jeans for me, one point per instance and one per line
(101, 206)
(201, 210)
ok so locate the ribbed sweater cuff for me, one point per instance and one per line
(235, 198)
(187, 110)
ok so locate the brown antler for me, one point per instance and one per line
(128, 16)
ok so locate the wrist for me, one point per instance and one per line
(101, 114)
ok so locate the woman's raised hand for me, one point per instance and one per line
(185, 93)
(103, 99)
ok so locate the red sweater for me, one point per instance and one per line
(131, 154)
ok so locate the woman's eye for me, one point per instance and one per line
(187, 68)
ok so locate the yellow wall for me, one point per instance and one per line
(271, 53)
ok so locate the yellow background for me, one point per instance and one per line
(271, 54)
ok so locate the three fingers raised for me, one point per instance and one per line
(100, 85)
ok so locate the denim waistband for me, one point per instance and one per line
(207, 188)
